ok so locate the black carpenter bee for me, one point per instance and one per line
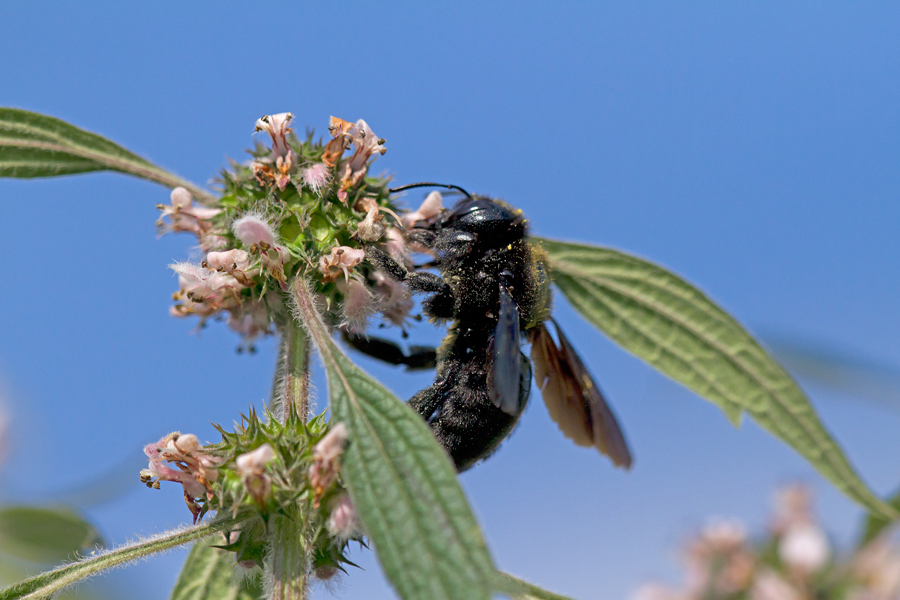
(494, 289)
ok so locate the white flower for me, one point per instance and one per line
(804, 547)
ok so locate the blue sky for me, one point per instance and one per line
(754, 148)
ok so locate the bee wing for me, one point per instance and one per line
(505, 374)
(573, 399)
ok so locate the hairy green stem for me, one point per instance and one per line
(287, 563)
(292, 376)
(47, 584)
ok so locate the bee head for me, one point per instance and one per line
(486, 217)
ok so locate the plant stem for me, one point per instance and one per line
(292, 376)
(287, 563)
(49, 583)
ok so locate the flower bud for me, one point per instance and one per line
(251, 467)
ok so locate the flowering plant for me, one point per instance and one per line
(795, 560)
(284, 242)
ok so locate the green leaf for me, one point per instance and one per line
(876, 524)
(44, 534)
(674, 327)
(208, 574)
(522, 590)
(47, 584)
(402, 483)
(35, 145)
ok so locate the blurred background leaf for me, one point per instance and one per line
(45, 535)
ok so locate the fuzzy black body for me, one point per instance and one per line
(492, 288)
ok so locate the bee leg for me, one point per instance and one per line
(429, 401)
(422, 237)
(417, 282)
(418, 357)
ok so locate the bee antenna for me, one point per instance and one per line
(430, 184)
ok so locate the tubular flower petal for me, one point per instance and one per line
(253, 229)
(277, 126)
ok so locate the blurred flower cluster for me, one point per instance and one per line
(297, 208)
(795, 561)
(259, 470)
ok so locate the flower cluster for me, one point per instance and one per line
(258, 471)
(298, 208)
(795, 561)
(181, 458)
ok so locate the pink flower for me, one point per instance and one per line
(332, 444)
(719, 558)
(194, 468)
(878, 566)
(283, 168)
(228, 261)
(183, 216)
(804, 547)
(395, 246)
(209, 243)
(341, 260)
(257, 233)
(343, 523)
(250, 319)
(357, 305)
(316, 177)
(367, 145)
(277, 126)
(430, 207)
(203, 285)
(326, 461)
(253, 229)
(394, 302)
(234, 262)
(770, 586)
(254, 462)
